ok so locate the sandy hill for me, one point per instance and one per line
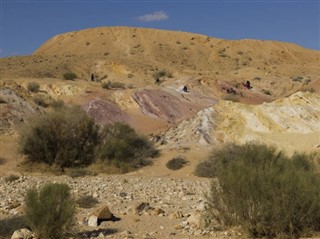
(216, 107)
(133, 55)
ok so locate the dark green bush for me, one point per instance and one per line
(268, 193)
(121, 146)
(33, 87)
(176, 163)
(65, 137)
(69, 76)
(50, 212)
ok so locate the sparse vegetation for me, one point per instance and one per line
(57, 104)
(122, 147)
(50, 212)
(77, 172)
(162, 73)
(11, 178)
(176, 163)
(33, 87)
(232, 97)
(66, 137)
(113, 85)
(39, 100)
(69, 76)
(87, 201)
(308, 89)
(297, 78)
(267, 92)
(257, 185)
(11, 224)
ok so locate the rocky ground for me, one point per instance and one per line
(142, 207)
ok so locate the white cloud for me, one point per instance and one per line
(155, 16)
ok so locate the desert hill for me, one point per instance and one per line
(214, 108)
(188, 93)
(133, 55)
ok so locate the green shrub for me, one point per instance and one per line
(66, 137)
(122, 147)
(69, 76)
(266, 192)
(50, 212)
(176, 163)
(33, 87)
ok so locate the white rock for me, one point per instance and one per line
(22, 234)
(93, 221)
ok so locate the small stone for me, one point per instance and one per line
(157, 211)
(195, 220)
(176, 215)
(123, 194)
(22, 234)
(93, 221)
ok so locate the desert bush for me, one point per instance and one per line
(176, 163)
(233, 98)
(11, 224)
(49, 212)
(57, 104)
(77, 172)
(11, 178)
(122, 147)
(33, 87)
(66, 137)
(40, 101)
(267, 92)
(308, 89)
(162, 73)
(113, 85)
(69, 76)
(87, 201)
(268, 193)
(297, 78)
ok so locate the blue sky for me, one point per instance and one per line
(25, 25)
